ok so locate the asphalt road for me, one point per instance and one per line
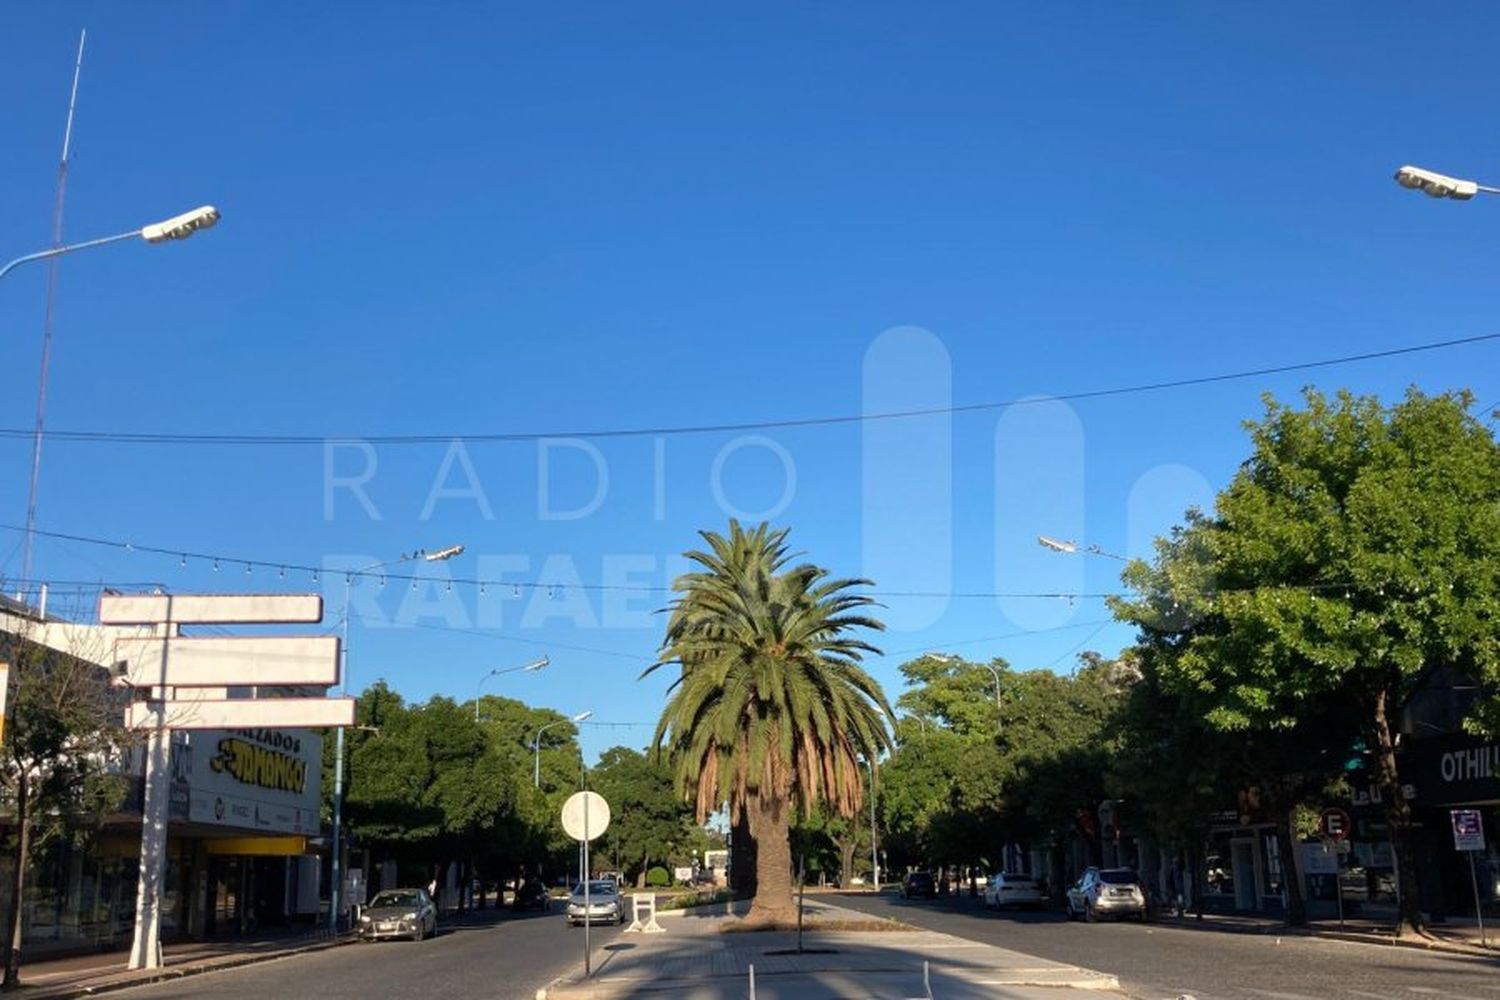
(1164, 962)
(501, 955)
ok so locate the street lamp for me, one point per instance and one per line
(442, 555)
(995, 673)
(1437, 185)
(529, 668)
(179, 227)
(536, 745)
(1069, 547)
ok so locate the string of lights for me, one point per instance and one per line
(246, 566)
(556, 590)
(675, 430)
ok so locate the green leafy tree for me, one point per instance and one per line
(61, 766)
(772, 712)
(428, 785)
(974, 771)
(650, 821)
(1356, 551)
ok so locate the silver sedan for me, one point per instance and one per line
(605, 905)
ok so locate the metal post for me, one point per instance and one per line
(588, 916)
(335, 889)
(752, 981)
(1478, 910)
(874, 855)
(1338, 884)
(536, 761)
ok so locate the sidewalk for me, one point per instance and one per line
(693, 960)
(86, 975)
(1459, 936)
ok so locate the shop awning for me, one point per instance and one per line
(258, 846)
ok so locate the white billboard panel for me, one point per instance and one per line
(209, 609)
(219, 661)
(243, 713)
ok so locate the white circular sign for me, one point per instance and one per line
(585, 815)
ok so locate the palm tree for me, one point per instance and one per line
(772, 711)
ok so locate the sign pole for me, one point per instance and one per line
(585, 816)
(1338, 884)
(1478, 910)
(588, 917)
(145, 950)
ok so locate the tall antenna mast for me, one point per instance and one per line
(41, 392)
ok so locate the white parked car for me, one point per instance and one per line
(1012, 889)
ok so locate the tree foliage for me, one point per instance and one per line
(63, 764)
(1356, 551)
(650, 821)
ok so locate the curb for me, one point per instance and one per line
(147, 977)
(1355, 937)
(1418, 943)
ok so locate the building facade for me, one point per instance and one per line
(241, 851)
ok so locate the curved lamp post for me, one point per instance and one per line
(536, 745)
(179, 227)
(529, 668)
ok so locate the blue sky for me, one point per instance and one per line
(485, 219)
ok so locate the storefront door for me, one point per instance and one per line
(1243, 855)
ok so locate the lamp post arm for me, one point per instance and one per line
(70, 248)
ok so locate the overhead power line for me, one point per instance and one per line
(672, 430)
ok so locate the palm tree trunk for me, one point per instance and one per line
(847, 848)
(742, 858)
(770, 827)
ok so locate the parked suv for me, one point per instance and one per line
(919, 885)
(1107, 892)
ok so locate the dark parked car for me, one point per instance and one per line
(532, 896)
(405, 913)
(919, 885)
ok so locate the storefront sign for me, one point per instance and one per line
(1468, 830)
(1453, 771)
(266, 780)
(1320, 859)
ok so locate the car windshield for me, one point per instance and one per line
(597, 889)
(399, 897)
(1017, 879)
(1118, 876)
(920, 877)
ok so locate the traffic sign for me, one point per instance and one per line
(219, 661)
(1468, 830)
(244, 713)
(585, 816)
(1335, 824)
(210, 609)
